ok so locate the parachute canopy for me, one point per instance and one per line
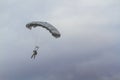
(46, 25)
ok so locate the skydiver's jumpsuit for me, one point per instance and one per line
(35, 52)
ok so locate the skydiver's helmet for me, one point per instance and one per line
(36, 47)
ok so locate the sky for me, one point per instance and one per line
(88, 49)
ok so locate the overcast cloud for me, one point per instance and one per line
(89, 48)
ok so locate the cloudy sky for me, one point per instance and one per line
(89, 48)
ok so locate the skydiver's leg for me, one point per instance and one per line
(31, 56)
(35, 56)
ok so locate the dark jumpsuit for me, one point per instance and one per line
(34, 54)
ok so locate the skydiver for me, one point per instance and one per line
(35, 52)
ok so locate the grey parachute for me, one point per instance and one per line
(46, 25)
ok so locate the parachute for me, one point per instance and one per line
(55, 33)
